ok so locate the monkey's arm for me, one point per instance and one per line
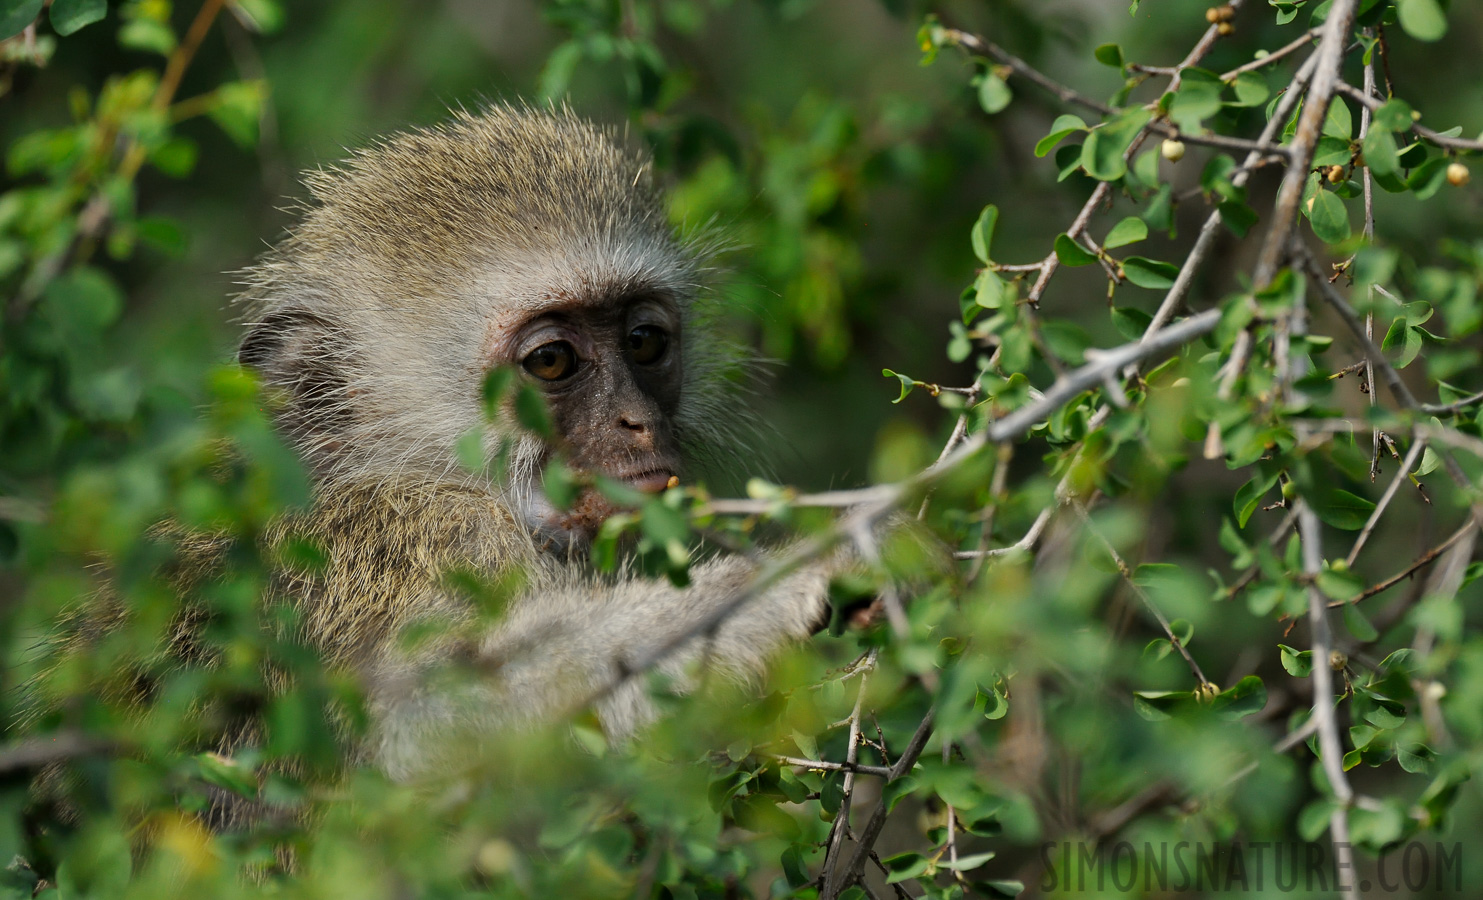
(567, 640)
(601, 631)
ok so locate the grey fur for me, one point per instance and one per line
(374, 318)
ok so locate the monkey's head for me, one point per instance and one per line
(505, 238)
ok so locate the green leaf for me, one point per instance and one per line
(967, 863)
(1109, 55)
(531, 412)
(1237, 216)
(907, 383)
(1197, 99)
(1428, 178)
(1339, 122)
(1328, 216)
(1063, 126)
(1249, 496)
(1380, 151)
(993, 93)
(1251, 89)
(1339, 584)
(1071, 253)
(1241, 699)
(1102, 153)
(1395, 115)
(903, 866)
(262, 16)
(991, 290)
(1341, 509)
(67, 16)
(1298, 663)
(1128, 231)
(1422, 19)
(1155, 705)
(15, 15)
(983, 233)
(1150, 273)
(1332, 151)
(1357, 624)
(1130, 321)
(148, 35)
(238, 108)
(1415, 758)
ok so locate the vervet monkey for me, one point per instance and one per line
(519, 238)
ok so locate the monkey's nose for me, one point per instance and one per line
(639, 426)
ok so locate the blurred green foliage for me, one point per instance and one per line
(872, 212)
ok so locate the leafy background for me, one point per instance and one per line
(848, 175)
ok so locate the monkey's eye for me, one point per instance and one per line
(551, 362)
(647, 344)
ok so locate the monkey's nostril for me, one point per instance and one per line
(640, 427)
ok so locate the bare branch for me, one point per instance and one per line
(1330, 753)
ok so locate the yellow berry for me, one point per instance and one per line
(1225, 28)
(1212, 15)
(1336, 174)
(1172, 150)
(1458, 174)
(1337, 660)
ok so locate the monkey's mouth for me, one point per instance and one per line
(650, 481)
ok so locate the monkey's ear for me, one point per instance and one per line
(308, 360)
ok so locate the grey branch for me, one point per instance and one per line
(1331, 753)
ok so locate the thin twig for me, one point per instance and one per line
(866, 840)
(1405, 472)
(1330, 751)
(1444, 141)
(1420, 562)
(1140, 593)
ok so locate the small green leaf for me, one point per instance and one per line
(1357, 624)
(1155, 705)
(1197, 99)
(148, 35)
(983, 233)
(1130, 321)
(1237, 216)
(1102, 152)
(903, 866)
(1109, 55)
(991, 290)
(1395, 115)
(15, 15)
(238, 107)
(1150, 273)
(1328, 216)
(531, 412)
(67, 16)
(993, 93)
(1422, 19)
(1427, 178)
(1128, 231)
(1249, 496)
(1063, 126)
(1251, 89)
(1298, 663)
(262, 16)
(1380, 151)
(1341, 509)
(1241, 699)
(907, 383)
(1071, 253)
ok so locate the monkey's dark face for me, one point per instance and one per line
(612, 376)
